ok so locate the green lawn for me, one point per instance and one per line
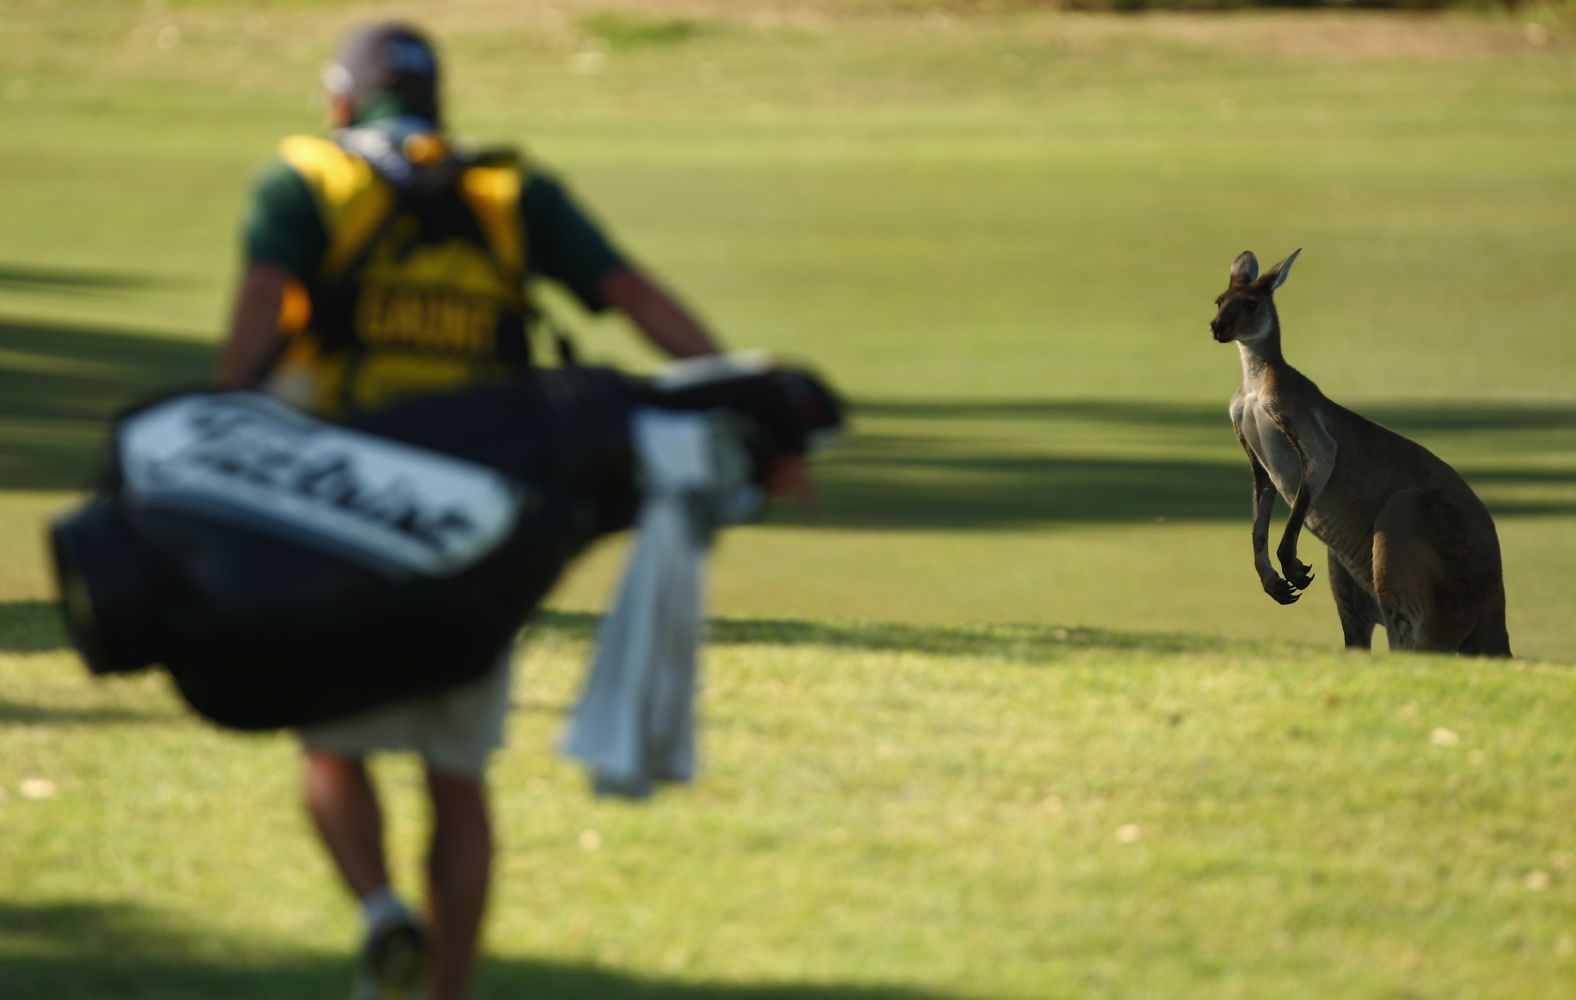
(1026, 618)
(888, 811)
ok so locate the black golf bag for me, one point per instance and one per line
(285, 570)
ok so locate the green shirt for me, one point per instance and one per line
(283, 228)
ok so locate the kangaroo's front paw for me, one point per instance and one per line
(1279, 589)
(1298, 574)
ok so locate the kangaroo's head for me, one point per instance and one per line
(1246, 310)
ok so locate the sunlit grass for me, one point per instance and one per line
(1012, 717)
(965, 812)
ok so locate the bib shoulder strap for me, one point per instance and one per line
(351, 199)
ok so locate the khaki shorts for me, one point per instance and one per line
(455, 731)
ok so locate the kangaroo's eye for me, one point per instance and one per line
(1250, 306)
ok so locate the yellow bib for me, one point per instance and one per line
(420, 289)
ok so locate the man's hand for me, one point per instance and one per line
(788, 477)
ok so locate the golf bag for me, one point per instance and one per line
(285, 570)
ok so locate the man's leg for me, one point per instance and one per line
(344, 806)
(459, 866)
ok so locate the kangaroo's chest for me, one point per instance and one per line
(1268, 443)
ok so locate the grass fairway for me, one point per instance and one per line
(1011, 718)
(892, 812)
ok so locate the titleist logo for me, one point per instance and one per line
(249, 459)
(264, 455)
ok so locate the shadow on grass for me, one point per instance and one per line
(1419, 420)
(1021, 643)
(35, 626)
(31, 627)
(116, 950)
(902, 479)
(27, 277)
(930, 484)
(17, 714)
(60, 385)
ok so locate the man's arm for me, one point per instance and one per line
(284, 241)
(254, 336)
(567, 246)
(661, 317)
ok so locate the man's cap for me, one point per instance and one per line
(392, 60)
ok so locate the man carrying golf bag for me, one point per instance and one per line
(385, 260)
(287, 571)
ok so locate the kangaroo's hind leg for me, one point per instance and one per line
(1488, 637)
(1470, 617)
(1406, 572)
(1436, 607)
(1358, 610)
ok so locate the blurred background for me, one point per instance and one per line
(997, 226)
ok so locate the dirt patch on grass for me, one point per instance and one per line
(1319, 35)
(1337, 37)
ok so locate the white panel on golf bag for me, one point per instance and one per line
(242, 459)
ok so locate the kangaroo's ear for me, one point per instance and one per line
(1276, 276)
(1245, 268)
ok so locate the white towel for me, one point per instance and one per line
(634, 725)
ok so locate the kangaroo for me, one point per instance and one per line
(1411, 547)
